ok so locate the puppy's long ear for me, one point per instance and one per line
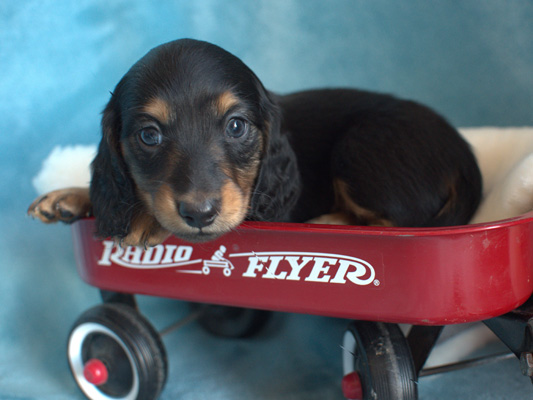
(112, 190)
(278, 184)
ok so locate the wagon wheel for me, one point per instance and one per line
(231, 322)
(377, 363)
(114, 353)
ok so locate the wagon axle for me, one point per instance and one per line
(352, 389)
(95, 371)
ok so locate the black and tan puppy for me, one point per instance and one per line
(193, 144)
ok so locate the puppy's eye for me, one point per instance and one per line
(236, 128)
(150, 137)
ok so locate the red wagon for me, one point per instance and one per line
(377, 277)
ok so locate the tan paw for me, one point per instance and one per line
(332, 219)
(145, 232)
(65, 205)
(348, 219)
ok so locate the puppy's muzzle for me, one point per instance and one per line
(201, 214)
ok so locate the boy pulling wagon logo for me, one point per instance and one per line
(163, 256)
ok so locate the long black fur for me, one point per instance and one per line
(401, 160)
(112, 191)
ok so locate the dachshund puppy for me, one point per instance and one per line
(193, 144)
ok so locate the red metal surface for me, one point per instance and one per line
(430, 276)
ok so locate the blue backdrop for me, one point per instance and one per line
(471, 60)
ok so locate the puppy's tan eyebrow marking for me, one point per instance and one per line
(159, 109)
(225, 102)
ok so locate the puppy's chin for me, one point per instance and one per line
(199, 237)
(196, 235)
(176, 226)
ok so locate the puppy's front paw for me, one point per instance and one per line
(145, 232)
(65, 205)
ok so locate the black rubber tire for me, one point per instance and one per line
(380, 354)
(128, 345)
(231, 322)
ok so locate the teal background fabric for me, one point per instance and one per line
(470, 60)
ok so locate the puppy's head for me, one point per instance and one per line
(183, 138)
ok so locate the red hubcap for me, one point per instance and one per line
(351, 386)
(95, 372)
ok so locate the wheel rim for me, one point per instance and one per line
(77, 346)
(349, 348)
(352, 385)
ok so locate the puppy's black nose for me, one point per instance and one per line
(199, 215)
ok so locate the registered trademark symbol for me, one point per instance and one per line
(377, 282)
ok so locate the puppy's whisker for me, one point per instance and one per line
(261, 194)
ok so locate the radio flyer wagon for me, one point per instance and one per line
(377, 277)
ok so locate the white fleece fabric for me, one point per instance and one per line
(505, 158)
(65, 167)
